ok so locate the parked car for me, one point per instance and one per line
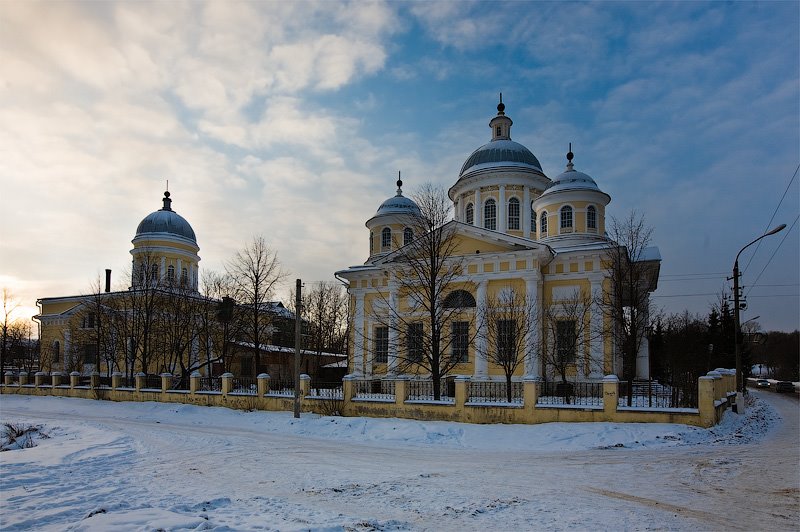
(784, 386)
(762, 383)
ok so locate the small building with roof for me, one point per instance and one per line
(514, 230)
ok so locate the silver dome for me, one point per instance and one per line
(398, 205)
(571, 179)
(166, 220)
(501, 153)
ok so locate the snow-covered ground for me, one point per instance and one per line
(147, 466)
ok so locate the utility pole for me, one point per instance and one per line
(297, 330)
(737, 326)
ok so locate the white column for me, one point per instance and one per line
(597, 358)
(358, 334)
(481, 362)
(643, 353)
(457, 210)
(526, 212)
(162, 273)
(478, 218)
(67, 337)
(502, 223)
(369, 349)
(391, 367)
(533, 361)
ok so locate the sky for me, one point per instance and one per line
(291, 120)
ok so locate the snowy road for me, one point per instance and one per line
(147, 465)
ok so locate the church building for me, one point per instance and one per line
(513, 230)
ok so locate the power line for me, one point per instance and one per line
(773, 254)
(769, 223)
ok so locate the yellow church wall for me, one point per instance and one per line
(468, 246)
(57, 307)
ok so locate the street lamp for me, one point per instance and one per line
(737, 326)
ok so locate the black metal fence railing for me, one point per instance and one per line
(281, 387)
(374, 389)
(245, 385)
(570, 393)
(494, 392)
(127, 382)
(152, 382)
(652, 394)
(210, 384)
(327, 390)
(105, 382)
(423, 390)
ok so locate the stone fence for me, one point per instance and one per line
(715, 394)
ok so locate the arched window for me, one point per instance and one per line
(386, 238)
(533, 221)
(184, 276)
(490, 215)
(470, 214)
(56, 351)
(142, 270)
(459, 299)
(408, 236)
(371, 242)
(543, 223)
(154, 273)
(171, 273)
(566, 217)
(591, 217)
(513, 214)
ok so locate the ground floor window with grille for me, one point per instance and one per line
(414, 342)
(460, 341)
(381, 345)
(506, 340)
(565, 341)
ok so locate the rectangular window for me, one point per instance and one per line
(381, 345)
(414, 342)
(89, 353)
(506, 340)
(460, 341)
(513, 214)
(89, 321)
(565, 341)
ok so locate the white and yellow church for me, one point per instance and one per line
(514, 227)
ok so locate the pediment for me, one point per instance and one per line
(470, 240)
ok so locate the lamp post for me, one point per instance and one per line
(737, 325)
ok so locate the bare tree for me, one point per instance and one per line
(626, 298)
(10, 305)
(424, 272)
(255, 273)
(509, 319)
(324, 313)
(567, 335)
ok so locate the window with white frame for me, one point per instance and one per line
(460, 341)
(565, 341)
(184, 277)
(470, 214)
(591, 218)
(371, 242)
(506, 340)
(154, 273)
(386, 238)
(414, 342)
(566, 217)
(381, 345)
(171, 273)
(513, 214)
(408, 236)
(490, 215)
(543, 223)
